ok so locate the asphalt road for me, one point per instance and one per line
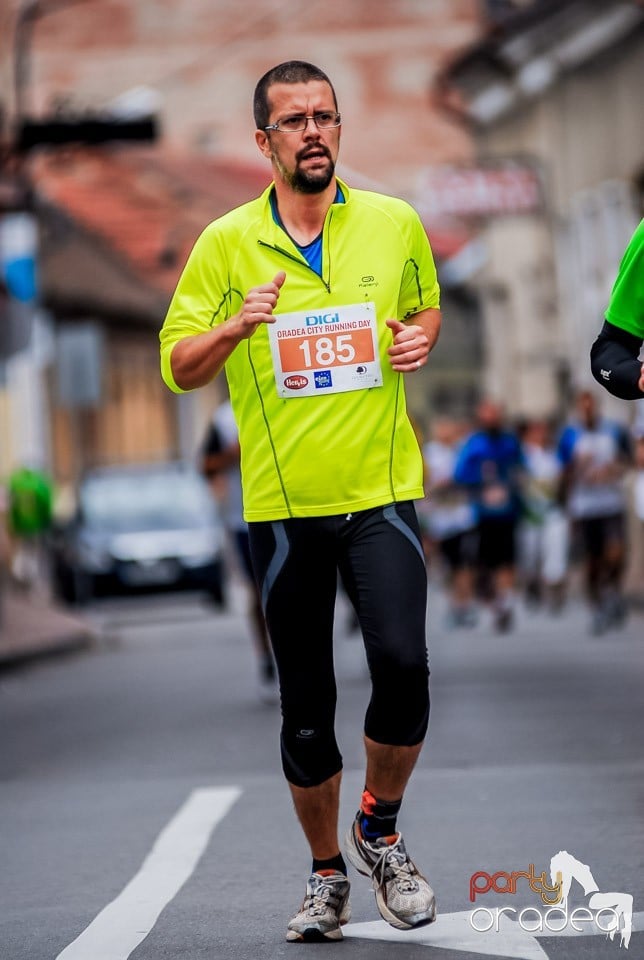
(144, 775)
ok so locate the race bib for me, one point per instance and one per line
(318, 353)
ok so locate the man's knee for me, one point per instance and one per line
(310, 754)
(398, 713)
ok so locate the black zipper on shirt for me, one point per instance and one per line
(302, 263)
(328, 249)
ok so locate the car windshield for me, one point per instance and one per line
(146, 501)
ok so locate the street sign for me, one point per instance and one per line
(486, 191)
(79, 365)
(18, 249)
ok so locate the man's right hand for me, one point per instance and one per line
(640, 382)
(259, 304)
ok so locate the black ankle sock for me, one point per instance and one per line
(378, 817)
(335, 863)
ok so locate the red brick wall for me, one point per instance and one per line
(204, 56)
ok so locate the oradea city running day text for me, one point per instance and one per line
(317, 320)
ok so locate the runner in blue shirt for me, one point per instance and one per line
(490, 465)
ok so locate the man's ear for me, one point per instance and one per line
(262, 141)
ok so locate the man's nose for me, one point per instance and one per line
(311, 128)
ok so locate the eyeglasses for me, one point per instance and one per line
(323, 121)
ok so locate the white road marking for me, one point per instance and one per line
(453, 931)
(127, 920)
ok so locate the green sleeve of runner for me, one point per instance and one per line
(419, 288)
(626, 307)
(201, 300)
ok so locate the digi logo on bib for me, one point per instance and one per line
(322, 379)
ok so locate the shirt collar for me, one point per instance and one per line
(271, 231)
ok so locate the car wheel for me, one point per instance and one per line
(77, 587)
(85, 588)
(63, 583)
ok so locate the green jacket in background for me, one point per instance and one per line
(30, 502)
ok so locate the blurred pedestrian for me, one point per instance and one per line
(638, 483)
(595, 453)
(220, 459)
(543, 529)
(490, 465)
(636, 499)
(30, 513)
(615, 355)
(451, 522)
(330, 466)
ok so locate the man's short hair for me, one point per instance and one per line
(291, 71)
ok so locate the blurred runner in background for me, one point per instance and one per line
(595, 453)
(638, 482)
(451, 522)
(636, 501)
(220, 460)
(543, 531)
(490, 465)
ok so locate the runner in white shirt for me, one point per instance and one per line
(595, 453)
(543, 533)
(451, 522)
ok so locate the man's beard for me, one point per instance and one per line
(310, 182)
(303, 181)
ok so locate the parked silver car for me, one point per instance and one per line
(140, 527)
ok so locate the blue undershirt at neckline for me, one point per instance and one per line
(312, 252)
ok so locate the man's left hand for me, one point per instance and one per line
(410, 348)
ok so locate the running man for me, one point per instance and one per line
(491, 466)
(319, 300)
(543, 529)
(614, 357)
(451, 522)
(595, 454)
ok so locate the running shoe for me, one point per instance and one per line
(325, 909)
(403, 896)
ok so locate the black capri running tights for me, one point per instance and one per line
(379, 556)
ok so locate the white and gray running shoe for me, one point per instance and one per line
(325, 909)
(403, 896)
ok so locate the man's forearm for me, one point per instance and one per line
(614, 362)
(197, 359)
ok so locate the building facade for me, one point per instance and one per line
(196, 63)
(557, 89)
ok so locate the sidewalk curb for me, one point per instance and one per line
(50, 649)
